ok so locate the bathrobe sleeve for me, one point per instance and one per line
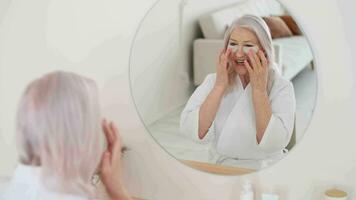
(280, 127)
(189, 120)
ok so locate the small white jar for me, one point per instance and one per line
(247, 192)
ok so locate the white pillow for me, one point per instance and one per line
(215, 24)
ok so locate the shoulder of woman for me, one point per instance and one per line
(209, 79)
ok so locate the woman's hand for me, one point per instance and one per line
(258, 70)
(258, 74)
(222, 78)
(111, 163)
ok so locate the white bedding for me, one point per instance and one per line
(295, 55)
(166, 132)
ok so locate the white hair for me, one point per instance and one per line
(259, 27)
(58, 128)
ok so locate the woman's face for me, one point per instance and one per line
(241, 41)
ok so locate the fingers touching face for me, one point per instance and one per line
(257, 60)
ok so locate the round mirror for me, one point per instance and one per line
(227, 88)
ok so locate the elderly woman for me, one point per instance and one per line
(60, 142)
(246, 109)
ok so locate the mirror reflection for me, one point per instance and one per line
(229, 89)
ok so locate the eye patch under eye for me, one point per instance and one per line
(245, 48)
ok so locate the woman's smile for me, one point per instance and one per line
(240, 62)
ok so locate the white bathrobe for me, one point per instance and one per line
(26, 184)
(232, 134)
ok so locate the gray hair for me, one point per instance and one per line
(58, 128)
(260, 28)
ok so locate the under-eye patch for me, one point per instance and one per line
(245, 48)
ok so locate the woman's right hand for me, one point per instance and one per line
(222, 78)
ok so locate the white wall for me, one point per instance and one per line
(4, 5)
(93, 38)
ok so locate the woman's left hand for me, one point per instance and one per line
(258, 73)
(258, 70)
(111, 163)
